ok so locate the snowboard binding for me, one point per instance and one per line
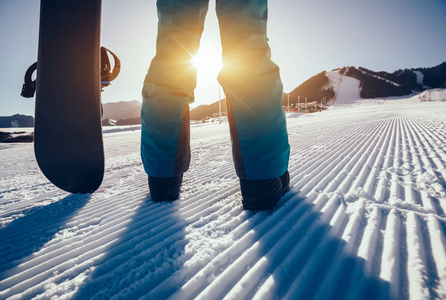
(107, 73)
(29, 87)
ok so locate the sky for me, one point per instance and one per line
(306, 38)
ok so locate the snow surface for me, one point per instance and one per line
(420, 77)
(365, 217)
(347, 89)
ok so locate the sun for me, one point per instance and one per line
(208, 63)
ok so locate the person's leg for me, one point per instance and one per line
(168, 90)
(253, 90)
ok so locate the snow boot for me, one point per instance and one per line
(263, 194)
(165, 188)
(285, 179)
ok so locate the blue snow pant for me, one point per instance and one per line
(250, 80)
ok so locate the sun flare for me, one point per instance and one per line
(208, 63)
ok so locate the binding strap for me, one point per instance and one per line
(107, 73)
(29, 87)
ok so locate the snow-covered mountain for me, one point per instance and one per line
(398, 83)
(371, 84)
(365, 217)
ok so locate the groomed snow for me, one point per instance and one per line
(346, 88)
(420, 77)
(365, 217)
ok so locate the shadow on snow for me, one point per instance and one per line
(147, 253)
(28, 234)
(305, 260)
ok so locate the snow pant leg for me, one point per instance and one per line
(169, 88)
(253, 90)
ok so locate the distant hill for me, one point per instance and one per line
(399, 83)
(130, 121)
(16, 121)
(204, 111)
(109, 122)
(122, 113)
(315, 88)
(434, 77)
(122, 110)
(129, 112)
(372, 84)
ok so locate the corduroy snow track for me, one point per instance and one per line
(364, 219)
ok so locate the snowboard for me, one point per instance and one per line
(68, 141)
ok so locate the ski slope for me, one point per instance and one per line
(364, 219)
(346, 88)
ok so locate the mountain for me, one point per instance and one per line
(115, 113)
(16, 121)
(383, 84)
(129, 112)
(399, 83)
(372, 84)
(315, 88)
(122, 110)
(204, 111)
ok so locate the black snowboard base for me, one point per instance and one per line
(68, 134)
